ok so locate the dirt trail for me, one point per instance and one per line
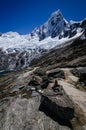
(69, 76)
(78, 97)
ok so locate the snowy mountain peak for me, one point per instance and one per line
(55, 18)
(53, 27)
(58, 26)
(56, 13)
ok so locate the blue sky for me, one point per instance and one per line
(24, 15)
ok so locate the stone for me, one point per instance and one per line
(40, 71)
(35, 81)
(75, 72)
(82, 75)
(63, 115)
(56, 73)
(57, 87)
(57, 105)
(45, 82)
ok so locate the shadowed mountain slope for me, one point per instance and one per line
(70, 55)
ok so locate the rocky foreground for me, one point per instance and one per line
(40, 99)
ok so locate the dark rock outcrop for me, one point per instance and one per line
(57, 73)
(33, 83)
(80, 72)
(40, 71)
(57, 87)
(82, 77)
(45, 83)
(62, 115)
(57, 105)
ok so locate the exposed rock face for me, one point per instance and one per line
(40, 71)
(16, 59)
(0, 34)
(3, 60)
(56, 73)
(81, 74)
(23, 114)
(83, 25)
(53, 27)
(60, 114)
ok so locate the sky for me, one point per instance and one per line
(23, 16)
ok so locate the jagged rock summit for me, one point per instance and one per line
(57, 26)
(53, 27)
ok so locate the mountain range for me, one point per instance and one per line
(17, 51)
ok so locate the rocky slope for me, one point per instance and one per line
(69, 55)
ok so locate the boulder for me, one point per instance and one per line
(82, 75)
(57, 105)
(57, 87)
(45, 82)
(51, 108)
(56, 73)
(40, 71)
(35, 81)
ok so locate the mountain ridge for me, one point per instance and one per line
(71, 55)
(18, 51)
